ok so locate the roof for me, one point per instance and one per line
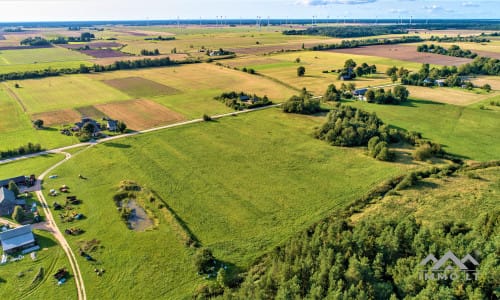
(6, 195)
(360, 91)
(17, 237)
(18, 179)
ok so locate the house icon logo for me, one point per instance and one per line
(449, 267)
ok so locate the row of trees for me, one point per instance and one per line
(241, 101)
(302, 104)
(22, 150)
(346, 44)
(118, 65)
(160, 38)
(471, 39)
(453, 50)
(347, 31)
(380, 96)
(84, 37)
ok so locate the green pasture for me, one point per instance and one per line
(466, 131)
(34, 165)
(216, 176)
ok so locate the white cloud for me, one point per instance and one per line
(470, 4)
(329, 2)
(398, 11)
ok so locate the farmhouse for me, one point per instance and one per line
(85, 120)
(17, 239)
(112, 125)
(360, 93)
(8, 201)
(440, 82)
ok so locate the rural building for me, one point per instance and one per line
(440, 82)
(428, 81)
(85, 120)
(8, 201)
(17, 239)
(19, 180)
(360, 93)
(112, 125)
(244, 98)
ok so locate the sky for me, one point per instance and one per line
(67, 10)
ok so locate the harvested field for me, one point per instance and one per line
(261, 49)
(493, 81)
(58, 117)
(405, 53)
(488, 53)
(92, 45)
(110, 60)
(139, 87)
(91, 112)
(103, 53)
(454, 96)
(140, 114)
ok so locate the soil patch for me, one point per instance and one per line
(91, 112)
(138, 219)
(405, 53)
(59, 117)
(140, 114)
(139, 87)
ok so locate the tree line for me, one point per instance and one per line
(345, 44)
(147, 52)
(472, 39)
(84, 37)
(381, 96)
(34, 42)
(348, 31)
(241, 100)
(453, 50)
(160, 38)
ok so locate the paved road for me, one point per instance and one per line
(50, 225)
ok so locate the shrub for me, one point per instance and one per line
(18, 214)
(301, 71)
(423, 152)
(206, 118)
(204, 260)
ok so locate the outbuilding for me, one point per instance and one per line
(17, 239)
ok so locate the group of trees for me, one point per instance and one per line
(376, 258)
(150, 52)
(118, 65)
(35, 42)
(453, 50)
(379, 149)
(241, 101)
(348, 126)
(84, 37)
(351, 70)
(348, 31)
(22, 150)
(346, 44)
(302, 104)
(380, 96)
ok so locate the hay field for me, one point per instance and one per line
(456, 96)
(140, 114)
(42, 55)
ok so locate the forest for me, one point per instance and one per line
(348, 32)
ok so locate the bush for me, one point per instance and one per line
(204, 260)
(301, 71)
(18, 214)
(423, 152)
(206, 118)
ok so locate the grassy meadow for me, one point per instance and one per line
(35, 165)
(215, 176)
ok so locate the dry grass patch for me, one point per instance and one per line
(447, 95)
(140, 114)
(405, 53)
(139, 87)
(58, 117)
(493, 81)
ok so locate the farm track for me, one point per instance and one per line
(14, 95)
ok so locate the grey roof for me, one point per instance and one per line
(17, 237)
(360, 91)
(6, 195)
(17, 180)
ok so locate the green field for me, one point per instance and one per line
(43, 55)
(26, 167)
(16, 128)
(466, 131)
(216, 177)
(17, 279)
